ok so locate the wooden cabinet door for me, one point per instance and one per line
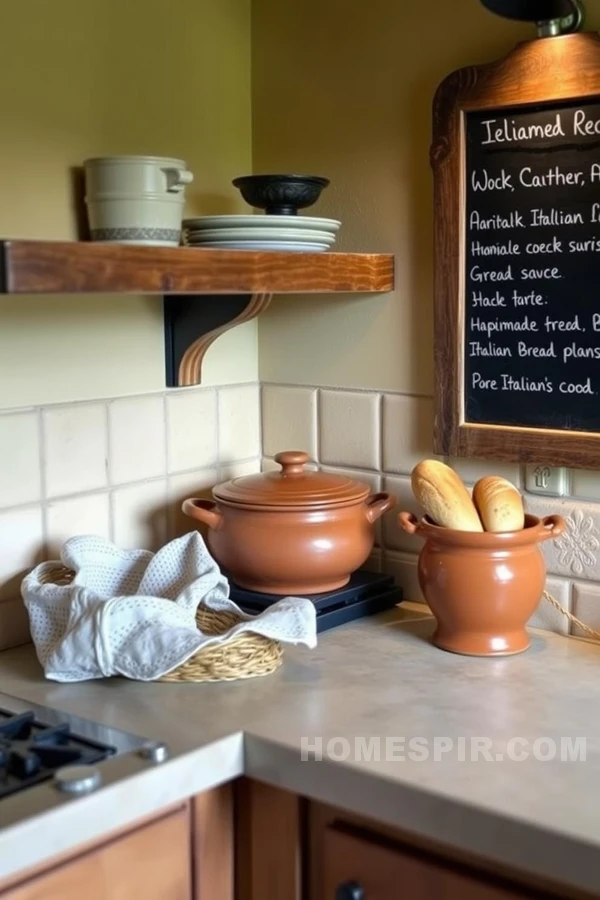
(356, 868)
(151, 863)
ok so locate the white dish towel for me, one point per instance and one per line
(132, 612)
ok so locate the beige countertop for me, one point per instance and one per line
(379, 678)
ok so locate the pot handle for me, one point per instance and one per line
(409, 522)
(553, 526)
(177, 179)
(204, 511)
(377, 504)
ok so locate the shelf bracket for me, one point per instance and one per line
(193, 322)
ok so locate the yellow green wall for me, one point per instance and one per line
(344, 89)
(95, 77)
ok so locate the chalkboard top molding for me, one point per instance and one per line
(53, 267)
(536, 78)
(543, 70)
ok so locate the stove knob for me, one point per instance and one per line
(156, 753)
(77, 779)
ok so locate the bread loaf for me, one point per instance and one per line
(444, 497)
(499, 504)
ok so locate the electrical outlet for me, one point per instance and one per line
(549, 480)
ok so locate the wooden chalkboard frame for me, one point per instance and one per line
(565, 68)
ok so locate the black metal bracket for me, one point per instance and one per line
(194, 321)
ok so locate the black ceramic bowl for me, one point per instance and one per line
(280, 195)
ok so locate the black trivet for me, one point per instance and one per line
(365, 594)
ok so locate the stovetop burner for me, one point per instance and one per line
(31, 751)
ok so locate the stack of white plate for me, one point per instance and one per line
(301, 234)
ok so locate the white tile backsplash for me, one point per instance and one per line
(471, 470)
(192, 429)
(372, 479)
(87, 514)
(157, 448)
(20, 476)
(349, 429)
(168, 446)
(585, 484)
(136, 438)
(239, 469)
(407, 431)
(239, 423)
(289, 419)
(180, 488)
(546, 615)
(22, 546)
(586, 607)
(403, 566)
(393, 535)
(75, 448)
(140, 515)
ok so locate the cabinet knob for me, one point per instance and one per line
(350, 890)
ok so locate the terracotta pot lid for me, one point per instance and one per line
(293, 486)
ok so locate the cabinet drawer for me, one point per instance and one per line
(151, 863)
(358, 868)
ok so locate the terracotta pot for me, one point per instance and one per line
(293, 531)
(482, 588)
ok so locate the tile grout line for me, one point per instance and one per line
(109, 467)
(317, 426)
(260, 423)
(43, 488)
(218, 427)
(167, 426)
(32, 407)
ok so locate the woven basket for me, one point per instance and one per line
(246, 656)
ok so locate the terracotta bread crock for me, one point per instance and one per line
(482, 587)
(292, 531)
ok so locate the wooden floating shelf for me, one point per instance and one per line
(50, 267)
(243, 283)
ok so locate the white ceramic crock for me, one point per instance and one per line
(136, 199)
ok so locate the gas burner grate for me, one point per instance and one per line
(30, 751)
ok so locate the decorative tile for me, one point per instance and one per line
(191, 430)
(546, 615)
(403, 566)
(407, 432)
(239, 423)
(585, 484)
(140, 515)
(370, 478)
(19, 459)
(577, 550)
(88, 514)
(393, 535)
(75, 448)
(22, 543)
(180, 487)
(137, 438)
(586, 606)
(349, 427)
(289, 419)
(471, 470)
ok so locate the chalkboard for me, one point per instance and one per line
(515, 154)
(532, 266)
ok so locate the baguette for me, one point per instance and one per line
(499, 504)
(444, 497)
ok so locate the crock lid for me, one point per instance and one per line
(292, 486)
